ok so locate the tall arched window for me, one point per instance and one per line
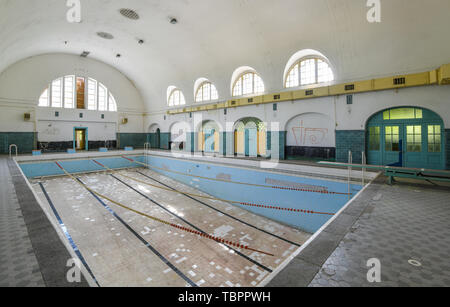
(206, 92)
(176, 98)
(248, 83)
(72, 92)
(309, 71)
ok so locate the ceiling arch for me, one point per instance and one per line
(213, 38)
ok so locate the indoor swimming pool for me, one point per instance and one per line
(145, 220)
(257, 189)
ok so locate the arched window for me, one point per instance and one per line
(248, 83)
(176, 98)
(72, 92)
(206, 92)
(309, 71)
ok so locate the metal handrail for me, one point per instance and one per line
(146, 150)
(10, 150)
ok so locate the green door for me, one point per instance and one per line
(406, 137)
(393, 145)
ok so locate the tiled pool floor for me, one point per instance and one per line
(119, 257)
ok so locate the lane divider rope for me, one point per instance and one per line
(244, 183)
(192, 231)
(219, 199)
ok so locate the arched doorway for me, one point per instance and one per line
(407, 137)
(154, 136)
(250, 137)
(209, 137)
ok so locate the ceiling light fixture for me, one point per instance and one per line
(105, 35)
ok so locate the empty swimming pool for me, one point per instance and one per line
(160, 221)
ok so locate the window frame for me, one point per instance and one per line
(240, 78)
(316, 67)
(180, 100)
(200, 88)
(111, 106)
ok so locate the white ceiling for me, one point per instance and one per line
(214, 37)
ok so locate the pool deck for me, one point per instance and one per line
(32, 253)
(395, 224)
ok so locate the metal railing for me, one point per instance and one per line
(10, 150)
(146, 150)
(350, 161)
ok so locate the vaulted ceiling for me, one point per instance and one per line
(214, 37)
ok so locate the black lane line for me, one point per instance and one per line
(167, 262)
(224, 213)
(193, 226)
(68, 236)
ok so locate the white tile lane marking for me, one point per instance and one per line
(192, 273)
(181, 260)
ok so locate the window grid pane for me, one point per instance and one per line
(293, 77)
(374, 138)
(247, 81)
(325, 74)
(308, 72)
(237, 91)
(414, 138)
(92, 94)
(434, 138)
(57, 93)
(69, 92)
(392, 138)
(102, 103)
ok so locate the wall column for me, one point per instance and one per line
(278, 144)
(190, 142)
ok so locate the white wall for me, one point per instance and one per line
(324, 112)
(22, 84)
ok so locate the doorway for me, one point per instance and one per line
(81, 139)
(406, 137)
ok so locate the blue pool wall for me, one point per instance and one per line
(44, 169)
(260, 195)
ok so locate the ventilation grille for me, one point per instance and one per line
(399, 81)
(129, 13)
(105, 35)
(350, 87)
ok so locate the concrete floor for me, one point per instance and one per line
(117, 257)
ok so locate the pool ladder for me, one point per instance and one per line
(363, 170)
(10, 150)
(146, 150)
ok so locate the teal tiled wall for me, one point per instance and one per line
(223, 144)
(136, 140)
(190, 142)
(25, 141)
(353, 140)
(165, 140)
(447, 148)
